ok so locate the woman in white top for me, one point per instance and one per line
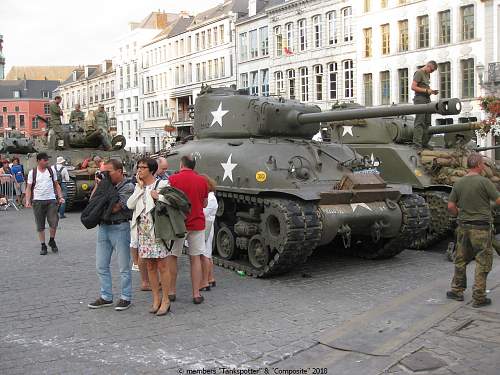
(207, 265)
(154, 251)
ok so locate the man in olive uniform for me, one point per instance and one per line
(56, 131)
(102, 124)
(77, 115)
(470, 200)
(423, 92)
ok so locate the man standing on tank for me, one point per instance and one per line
(102, 124)
(423, 92)
(56, 131)
(77, 115)
(470, 200)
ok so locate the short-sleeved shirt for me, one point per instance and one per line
(44, 187)
(473, 196)
(18, 172)
(423, 80)
(63, 170)
(196, 189)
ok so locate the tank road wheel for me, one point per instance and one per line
(258, 252)
(415, 222)
(225, 243)
(440, 223)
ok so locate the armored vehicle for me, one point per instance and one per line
(81, 145)
(281, 194)
(431, 173)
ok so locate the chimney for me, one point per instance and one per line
(252, 8)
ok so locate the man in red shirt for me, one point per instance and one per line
(196, 189)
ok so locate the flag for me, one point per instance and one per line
(287, 51)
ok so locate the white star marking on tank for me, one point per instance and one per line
(354, 206)
(218, 116)
(228, 168)
(347, 130)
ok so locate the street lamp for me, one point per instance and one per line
(480, 73)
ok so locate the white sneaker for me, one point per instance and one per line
(135, 267)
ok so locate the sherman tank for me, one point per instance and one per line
(431, 173)
(80, 146)
(281, 194)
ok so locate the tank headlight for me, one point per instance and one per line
(85, 187)
(376, 162)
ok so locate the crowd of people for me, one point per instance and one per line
(133, 227)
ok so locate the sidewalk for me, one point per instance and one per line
(418, 332)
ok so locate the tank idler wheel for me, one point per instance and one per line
(226, 244)
(258, 252)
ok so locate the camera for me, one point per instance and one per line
(101, 175)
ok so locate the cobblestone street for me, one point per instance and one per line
(46, 327)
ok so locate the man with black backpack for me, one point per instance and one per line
(62, 178)
(43, 193)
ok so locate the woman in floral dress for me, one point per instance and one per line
(154, 251)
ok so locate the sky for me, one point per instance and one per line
(70, 32)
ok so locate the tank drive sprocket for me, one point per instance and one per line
(440, 224)
(415, 220)
(289, 230)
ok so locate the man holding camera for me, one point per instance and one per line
(114, 234)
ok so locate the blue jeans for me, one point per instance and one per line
(114, 237)
(62, 207)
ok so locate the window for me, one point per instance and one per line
(136, 103)
(467, 19)
(45, 94)
(216, 36)
(317, 35)
(244, 80)
(403, 85)
(403, 35)
(210, 69)
(46, 109)
(383, 3)
(112, 89)
(209, 38)
(304, 84)
(204, 71)
(444, 27)
(444, 71)
(216, 68)
(223, 66)
(423, 32)
(221, 33)
(288, 47)
(129, 105)
(188, 45)
(264, 82)
(347, 24)
(16, 94)
(197, 41)
(318, 82)
(16, 108)
(278, 77)
(386, 39)
(34, 122)
(254, 50)
(11, 121)
(348, 78)
(331, 27)
(121, 106)
(278, 41)
(302, 35)
(243, 46)
(203, 40)
(254, 83)
(264, 41)
(368, 42)
(22, 124)
(4, 109)
(385, 87)
(291, 83)
(91, 97)
(368, 89)
(467, 67)
(198, 72)
(367, 5)
(332, 80)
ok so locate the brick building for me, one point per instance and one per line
(21, 101)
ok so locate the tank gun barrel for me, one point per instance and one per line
(455, 128)
(443, 107)
(478, 149)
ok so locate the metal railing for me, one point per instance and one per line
(7, 192)
(494, 72)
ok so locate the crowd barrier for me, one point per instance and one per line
(7, 192)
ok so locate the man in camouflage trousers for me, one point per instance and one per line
(102, 124)
(56, 131)
(470, 200)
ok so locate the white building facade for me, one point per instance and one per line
(127, 62)
(312, 51)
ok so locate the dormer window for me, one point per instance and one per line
(16, 94)
(45, 94)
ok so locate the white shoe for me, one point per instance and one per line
(135, 267)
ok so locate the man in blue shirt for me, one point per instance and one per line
(17, 171)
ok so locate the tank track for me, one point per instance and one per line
(70, 198)
(301, 236)
(440, 225)
(415, 222)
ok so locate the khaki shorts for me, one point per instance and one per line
(21, 188)
(195, 240)
(45, 210)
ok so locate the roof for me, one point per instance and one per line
(262, 6)
(57, 73)
(29, 89)
(173, 28)
(155, 20)
(239, 7)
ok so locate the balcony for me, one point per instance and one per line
(182, 117)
